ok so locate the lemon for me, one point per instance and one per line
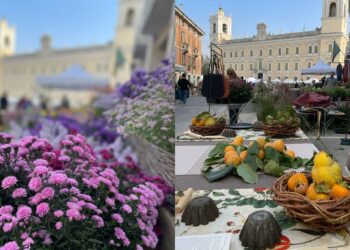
(279, 145)
(233, 160)
(322, 159)
(261, 141)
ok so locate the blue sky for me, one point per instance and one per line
(279, 15)
(70, 22)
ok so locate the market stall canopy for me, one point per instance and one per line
(320, 68)
(76, 78)
(288, 81)
(312, 80)
(276, 80)
(251, 79)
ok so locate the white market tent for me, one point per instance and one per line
(288, 81)
(74, 78)
(251, 80)
(276, 80)
(320, 68)
(312, 80)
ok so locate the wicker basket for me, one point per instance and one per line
(279, 130)
(328, 215)
(209, 130)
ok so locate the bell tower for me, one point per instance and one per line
(220, 27)
(335, 16)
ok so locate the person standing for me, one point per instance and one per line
(339, 72)
(331, 81)
(184, 85)
(4, 101)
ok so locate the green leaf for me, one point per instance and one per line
(259, 163)
(233, 192)
(216, 194)
(310, 231)
(217, 173)
(213, 160)
(272, 168)
(259, 203)
(284, 220)
(218, 150)
(251, 160)
(271, 203)
(308, 162)
(286, 160)
(217, 202)
(272, 154)
(206, 168)
(241, 148)
(323, 188)
(253, 149)
(247, 173)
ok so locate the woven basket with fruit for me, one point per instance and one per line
(320, 198)
(284, 123)
(206, 124)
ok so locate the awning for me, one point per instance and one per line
(180, 68)
(75, 77)
(320, 68)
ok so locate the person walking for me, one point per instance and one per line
(331, 81)
(184, 85)
(4, 101)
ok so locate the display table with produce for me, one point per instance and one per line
(194, 163)
(235, 205)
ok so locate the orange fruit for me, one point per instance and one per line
(339, 192)
(243, 155)
(229, 148)
(261, 141)
(261, 154)
(229, 153)
(250, 144)
(290, 153)
(233, 160)
(279, 145)
(298, 183)
(269, 144)
(313, 195)
(238, 141)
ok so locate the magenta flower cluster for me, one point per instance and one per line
(82, 205)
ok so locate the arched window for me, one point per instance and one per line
(214, 28)
(224, 28)
(333, 10)
(129, 20)
(7, 41)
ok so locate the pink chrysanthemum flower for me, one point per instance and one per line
(8, 182)
(42, 209)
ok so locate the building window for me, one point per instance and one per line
(270, 66)
(7, 41)
(270, 52)
(286, 67)
(279, 51)
(231, 54)
(297, 50)
(236, 54)
(261, 52)
(330, 48)
(333, 10)
(309, 64)
(260, 65)
(316, 49)
(296, 67)
(236, 66)
(295, 78)
(310, 49)
(287, 51)
(129, 18)
(194, 63)
(279, 66)
(231, 66)
(251, 53)
(183, 60)
(242, 67)
(224, 54)
(214, 27)
(224, 28)
(242, 53)
(182, 36)
(250, 67)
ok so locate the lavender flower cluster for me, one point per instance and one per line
(145, 106)
(72, 200)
